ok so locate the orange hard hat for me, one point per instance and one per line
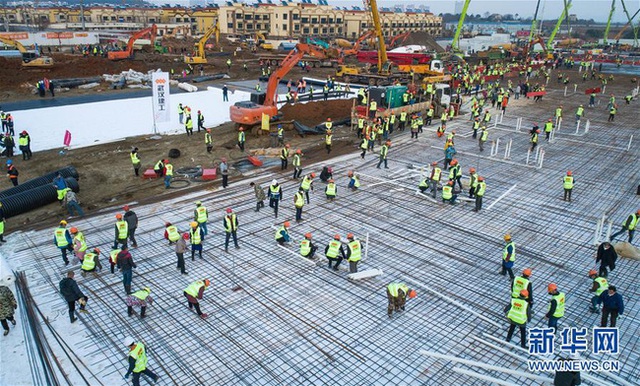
(569, 172)
(434, 163)
(331, 180)
(454, 161)
(73, 230)
(472, 170)
(593, 272)
(524, 293)
(388, 143)
(450, 183)
(307, 235)
(336, 237)
(287, 145)
(313, 175)
(412, 293)
(349, 235)
(638, 212)
(119, 216)
(328, 119)
(549, 120)
(552, 287)
(538, 131)
(207, 282)
(350, 173)
(526, 271)
(241, 129)
(298, 151)
(208, 130)
(480, 178)
(96, 250)
(287, 224)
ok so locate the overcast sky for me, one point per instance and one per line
(597, 10)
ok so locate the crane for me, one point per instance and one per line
(606, 29)
(552, 36)
(619, 34)
(384, 66)
(151, 32)
(29, 58)
(199, 56)
(455, 44)
(249, 113)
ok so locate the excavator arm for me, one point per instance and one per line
(150, 32)
(15, 43)
(201, 43)
(29, 58)
(395, 39)
(356, 45)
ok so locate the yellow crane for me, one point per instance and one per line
(29, 58)
(384, 66)
(199, 56)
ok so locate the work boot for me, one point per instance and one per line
(204, 316)
(127, 289)
(6, 332)
(73, 319)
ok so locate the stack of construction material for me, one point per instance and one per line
(36, 192)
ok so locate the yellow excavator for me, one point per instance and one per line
(29, 58)
(199, 56)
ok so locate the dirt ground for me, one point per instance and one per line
(106, 174)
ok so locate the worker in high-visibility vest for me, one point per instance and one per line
(171, 233)
(383, 155)
(307, 184)
(79, 243)
(328, 137)
(508, 256)
(121, 231)
(397, 296)
(113, 258)
(201, 216)
(91, 261)
(241, 138)
(354, 252)
(331, 190)
(296, 161)
(282, 234)
(334, 252)
(473, 182)
(307, 249)
(599, 285)
(168, 174)
(231, 229)
(354, 181)
(135, 160)
(195, 292)
(567, 184)
(556, 306)
(196, 236)
(208, 140)
(518, 313)
(522, 282)
(140, 298)
(298, 202)
(629, 226)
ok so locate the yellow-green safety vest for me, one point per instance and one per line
(230, 223)
(140, 294)
(61, 239)
(306, 183)
(634, 222)
(447, 192)
(437, 172)
(518, 311)
(83, 242)
(241, 136)
(559, 298)
(383, 151)
(296, 160)
(89, 262)
(194, 288)
(331, 189)
(356, 250)
(138, 353)
(603, 285)
(195, 236)
(279, 232)
(356, 181)
(327, 139)
(334, 249)
(305, 247)
(123, 229)
(201, 213)
(483, 187)
(394, 288)
(23, 141)
(172, 233)
(519, 283)
(113, 255)
(299, 201)
(568, 182)
(484, 135)
(373, 106)
(284, 153)
(134, 158)
(169, 170)
(505, 252)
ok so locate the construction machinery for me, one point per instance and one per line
(249, 112)
(455, 44)
(150, 32)
(261, 41)
(384, 65)
(553, 33)
(399, 39)
(199, 56)
(29, 58)
(318, 42)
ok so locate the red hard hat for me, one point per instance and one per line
(328, 119)
(229, 210)
(349, 235)
(73, 230)
(313, 175)
(307, 235)
(413, 294)
(569, 172)
(185, 236)
(125, 208)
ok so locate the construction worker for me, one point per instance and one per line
(282, 234)
(479, 193)
(12, 172)
(331, 190)
(567, 184)
(181, 248)
(284, 157)
(579, 113)
(296, 161)
(231, 229)
(60, 184)
(171, 233)
(397, 297)
(523, 282)
(473, 182)
(534, 140)
(275, 196)
(487, 117)
(196, 236)
(628, 226)
(414, 126)
(484, 135)
(62, 239)
(194, 292)
(354, 181)
(612, 304)
(298, 201)
(424, 184)
(132, 224)
(113, 258)
(121, 231)
(403, 119)
(354, 252)
(8, 305)
(328, 138)
(201, 216)
(126, 265)
(518, 313)
(135, 160)
(180, 113)
(2, 224)
(200, 118)
(364, 145)
(558, 114)
(556, 306)
(91, 261)
(430, 114)
(599, 286)
(373, 108)
(457, 173)
(383, 155)
(476, 126)
(607, 257)
(307, 184)
(326, 174)
(334, 252)
(208, 140)
(612, 113)
(79, 243)
(168, 174)
(449, 193)
(159, 168)
(434, 178)
(548, 128)
(508, 257)
(307, 249)
(72, 294)
(280, 135)
(260, 196)
(140, 298)
(188, 125)
(241, 138)
(224, 171)
(228, 65)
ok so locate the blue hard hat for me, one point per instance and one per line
(279, 126)
(9, 162)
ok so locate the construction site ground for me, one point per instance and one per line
(276, 318)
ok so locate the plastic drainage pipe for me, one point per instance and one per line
(46, 179)
(34, 198)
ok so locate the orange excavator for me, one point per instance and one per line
(398, 40)
(356, 46)
(250, 113)
(151, 32)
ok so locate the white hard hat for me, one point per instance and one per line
(128, 341)
(274, 182)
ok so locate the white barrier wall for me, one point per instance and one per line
(52, 38)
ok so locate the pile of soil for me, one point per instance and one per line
(423, 39)
(314, 113)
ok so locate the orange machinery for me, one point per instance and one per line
(250, 113)
(128, 53)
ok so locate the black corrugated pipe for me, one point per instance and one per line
(34, 198)
(69, 171)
